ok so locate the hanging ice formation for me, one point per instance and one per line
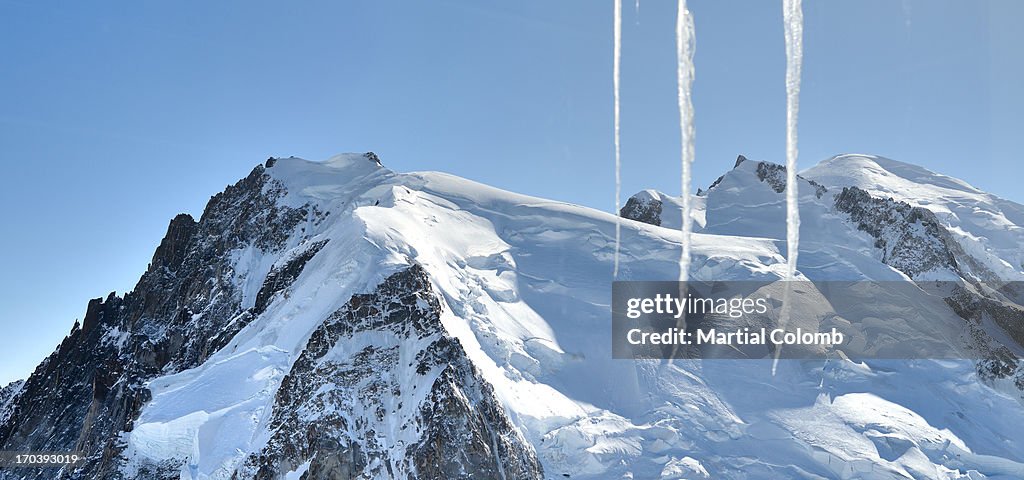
(793, 20)
(685, 44)
(617, 53)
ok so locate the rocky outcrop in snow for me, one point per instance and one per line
(381, 391)
(910, 238)
(642, 207)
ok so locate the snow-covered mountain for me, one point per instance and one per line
(340, 320)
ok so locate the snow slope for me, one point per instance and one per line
(988, 228)
(524, 285)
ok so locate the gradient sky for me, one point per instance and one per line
(116, 116)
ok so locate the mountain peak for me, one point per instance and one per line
(340, 161)
(880, 173)
(346, 159)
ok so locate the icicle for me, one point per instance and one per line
(618, 162)
(793, 19)
(685, 45)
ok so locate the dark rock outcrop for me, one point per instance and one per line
(772, 174)
(173, 248)
(373, 158)
(349, 407)
(280, 278)
(995, 360)
(911, 238)
(642, 208)
(775, 176)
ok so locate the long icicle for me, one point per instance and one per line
(685, 46)
(794, 58)
(618, 160)
(793, 20)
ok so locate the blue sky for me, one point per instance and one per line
(116, 116)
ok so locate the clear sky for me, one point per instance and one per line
(115, 116)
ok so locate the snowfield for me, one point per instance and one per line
(525, 286)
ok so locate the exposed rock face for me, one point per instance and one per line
(280, 278)
(183, 309)
(173, 248)
(642, 208)
(373, 158)
(382, 391)
(7, 396)
(911, 238)
(772, 174)
(913, 241)
(775, 176)
(996, 360)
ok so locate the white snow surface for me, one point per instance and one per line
(989, 228)
(525, 285)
